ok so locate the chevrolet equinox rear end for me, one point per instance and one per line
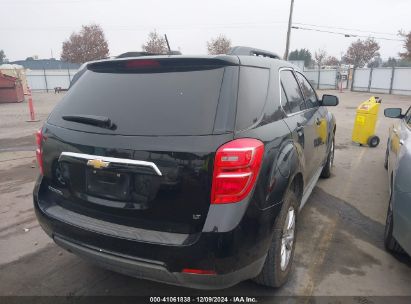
(183, 170)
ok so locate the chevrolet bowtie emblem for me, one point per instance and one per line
(97, 163)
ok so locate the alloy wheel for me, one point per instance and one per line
(287, 240)
(332, 154)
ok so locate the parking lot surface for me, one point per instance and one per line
(339, 251)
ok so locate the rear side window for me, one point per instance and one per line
(294, 101)
(171, 103)
(308, 92)
(252, 94)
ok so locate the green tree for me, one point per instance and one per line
(391, 62)
(3, 58)
(302, 54)
(404, 63)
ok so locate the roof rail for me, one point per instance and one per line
(249, 51)
(140, 54)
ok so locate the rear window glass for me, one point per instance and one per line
(175, 103)
(252, 94)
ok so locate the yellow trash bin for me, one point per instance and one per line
(365, 122)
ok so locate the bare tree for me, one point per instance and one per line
(361, 52)
(331, 61)
(89, 44)
(320, 56)
(407, 46)
(155, 44)
(219, 45)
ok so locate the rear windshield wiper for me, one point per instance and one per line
(98, 121)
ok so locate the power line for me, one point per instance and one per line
(346, 28)
(345, 34)
(313, 27)
(145, 27)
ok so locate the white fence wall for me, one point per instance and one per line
(322, 79)
(383, 80)
(402, 81)
(328, 79)
(312, 76)
(376, 80)
(361, 79)
(46, 80)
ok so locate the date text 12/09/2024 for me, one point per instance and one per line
(199, 299)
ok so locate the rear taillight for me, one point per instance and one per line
(197, 271)
(236, 168)
(39, 150)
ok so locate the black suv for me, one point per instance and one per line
(184, 170)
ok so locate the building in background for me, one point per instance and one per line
(299, 63)
(46, 64)
(16, 71)
(47, 74)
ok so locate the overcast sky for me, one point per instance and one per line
(35, 27)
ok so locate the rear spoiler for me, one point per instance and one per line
(248, 51)
(158, 64)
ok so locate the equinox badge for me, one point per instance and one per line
(97, 163)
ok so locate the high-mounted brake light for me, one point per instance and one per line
(39, 150)
(142, 64)
(236, 167)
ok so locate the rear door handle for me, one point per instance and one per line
(318, 122)
(401, 142)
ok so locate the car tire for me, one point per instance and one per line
(390, 242)
(279, 260)
(326, 172)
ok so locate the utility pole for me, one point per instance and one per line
(168, 45)
(290, 21)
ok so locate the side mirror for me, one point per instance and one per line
(329, 100)
(393, 113)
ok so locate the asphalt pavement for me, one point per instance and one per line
(339, 249)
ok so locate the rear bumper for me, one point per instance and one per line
(144, 269)
(234, 256)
